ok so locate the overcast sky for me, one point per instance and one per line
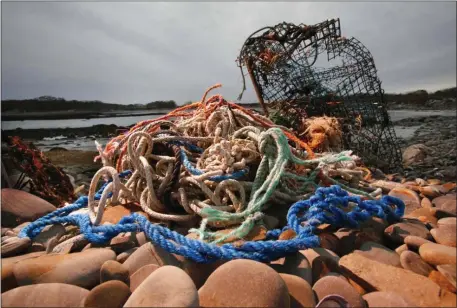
(140, 52)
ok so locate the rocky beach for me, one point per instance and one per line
(388, 257)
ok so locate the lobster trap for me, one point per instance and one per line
(301, 71)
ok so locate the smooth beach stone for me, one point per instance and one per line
(75, 243)
(329, 241)
(408, 196)
(244, 283)
(18, 229)
(386, 299)
(42, 240)
(447, 203)
(110, 294)
(19, 206)
(445, 235)
(5, 230)
(322, 262)
(437, 254)
(426, 203)
(14, 246)
(448, 221)
(198, 272)
(442, 281)
(375, 276)
(414, 242)
(300, 292)
(333, 285)
(123, 242)
(8, 279)
(401, 248)
(397, 232)
(140, 275)
(45, 295)
(347, 238)
(379, 253)
(150, 253)
(294, 264)
(113, 214)
(113, 270)
(425, 215)
(168, 286)
(80, 268)
(413, 262)
(449, 271)
(124, 255)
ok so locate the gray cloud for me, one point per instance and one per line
(138, 52)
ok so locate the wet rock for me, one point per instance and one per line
(124, 255)
(110, 294)
(379, 253)
(13, 246)
(386, 299)
(42, 240)
(81, 269)
(414, 242)
(295, 264)
(329, 241)
(140, 275)
(449, 271)
(168, 286)
(251, 284)
(334, 285)
(300, 292)
(73, 244)
(408, 196)
(375, 276)
(437, 254)
(5, 230)
(113, 270)
(150, 253)
(45, 295)
(19, 206)
(401, 248)
(413, 262)
(442, 281)
(415, 153)
(446, 203)
(396, 233)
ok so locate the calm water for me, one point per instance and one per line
(87, 143)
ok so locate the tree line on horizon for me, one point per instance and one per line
(51, 103)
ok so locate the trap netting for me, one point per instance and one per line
(301, 71)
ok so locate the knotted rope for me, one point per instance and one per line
(328, 205)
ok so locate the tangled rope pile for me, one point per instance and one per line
(222, 164)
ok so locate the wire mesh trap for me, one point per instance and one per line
(301, 71)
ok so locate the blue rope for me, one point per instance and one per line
(217, 178)
(325, 206)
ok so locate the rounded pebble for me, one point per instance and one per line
(113, 270)
(80, 268)
(168, 286)
(141, 274)
(379, 253)
(149, 254)
(294, 264)
(334, 285)
(14, 246)
(397, 232)
(413, 262)
(445, 235)
(45, 295)
(449, 271)
(244, 283)
(446, 203)
(408, 196)
(414, 242)
(442, 281)
(437, 254)
(300, 292)
(113, 293)
(386, 299)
